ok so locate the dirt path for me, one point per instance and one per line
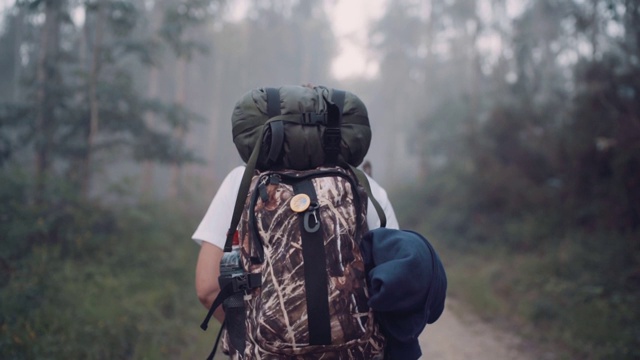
(460, 335)
(455, 337)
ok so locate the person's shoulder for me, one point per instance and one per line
(237, 170)
(235, 174)
(375, 187)
(232, 179)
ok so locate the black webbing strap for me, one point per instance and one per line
(236, 285)
(257, 248)
(225, 293)
(277, 127)
(273, 102)
(362, 179)
(332, 136)
(338, 98)
(215, 345)
(243, 190)
(273, 109)
(315, 270)
(277, 139)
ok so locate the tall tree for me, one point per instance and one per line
(181, 19)
(602, 153)
(275, 43)
(157, 9)
(94, 74)
(47, 75)
(398, 42)
(86, 110)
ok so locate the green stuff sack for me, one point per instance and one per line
(296, 127)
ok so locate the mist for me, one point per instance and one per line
(505, 131)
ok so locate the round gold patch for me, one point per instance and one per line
(300, 203)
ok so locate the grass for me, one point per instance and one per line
(124, 294)
(556, 296)
(574, 291)
(117, 283)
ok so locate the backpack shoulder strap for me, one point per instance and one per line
(362, 179)
(273, 109)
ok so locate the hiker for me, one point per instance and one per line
(211, 233)
(308, 265)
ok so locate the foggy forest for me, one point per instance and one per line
(505, 131)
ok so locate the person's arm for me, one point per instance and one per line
(211, 236)
(207, 272)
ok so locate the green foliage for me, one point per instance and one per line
(561, 284)
(602, 157)
(123, 16)
(116, 284)
(533, 182)
(585, 294)
(179, 17)
(51, 111)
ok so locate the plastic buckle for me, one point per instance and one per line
(332, 138)
(311, 118)
(240, 283)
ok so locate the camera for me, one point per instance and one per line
(234, 312)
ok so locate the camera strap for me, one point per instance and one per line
(215, 345)
(236, 285)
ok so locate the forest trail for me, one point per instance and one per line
(460, 335)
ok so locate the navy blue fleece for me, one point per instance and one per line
(407, 285)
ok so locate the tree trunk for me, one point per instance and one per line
(473, 76)
(148, 166)
(430, 15)
(150, 120)
(214, 139)
(45, 75)
(179, 131)
(94, 103)
(17, 57)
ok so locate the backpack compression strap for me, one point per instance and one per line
(277, 127)
(315, 273)
(332, 120)
(273, 109)
(332, 136)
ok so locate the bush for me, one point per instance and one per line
(570, 287)
(116, 283)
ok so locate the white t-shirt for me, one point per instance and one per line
(213, 227)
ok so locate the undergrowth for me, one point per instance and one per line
(117, 285)
(576, 291)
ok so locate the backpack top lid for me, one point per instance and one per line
(299, 144)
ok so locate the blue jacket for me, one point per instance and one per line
(407, 287)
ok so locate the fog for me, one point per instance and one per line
(505, 131)
(400, 62)
(432, 74)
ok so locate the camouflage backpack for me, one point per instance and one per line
(301, 275)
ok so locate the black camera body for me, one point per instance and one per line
(231, 271)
